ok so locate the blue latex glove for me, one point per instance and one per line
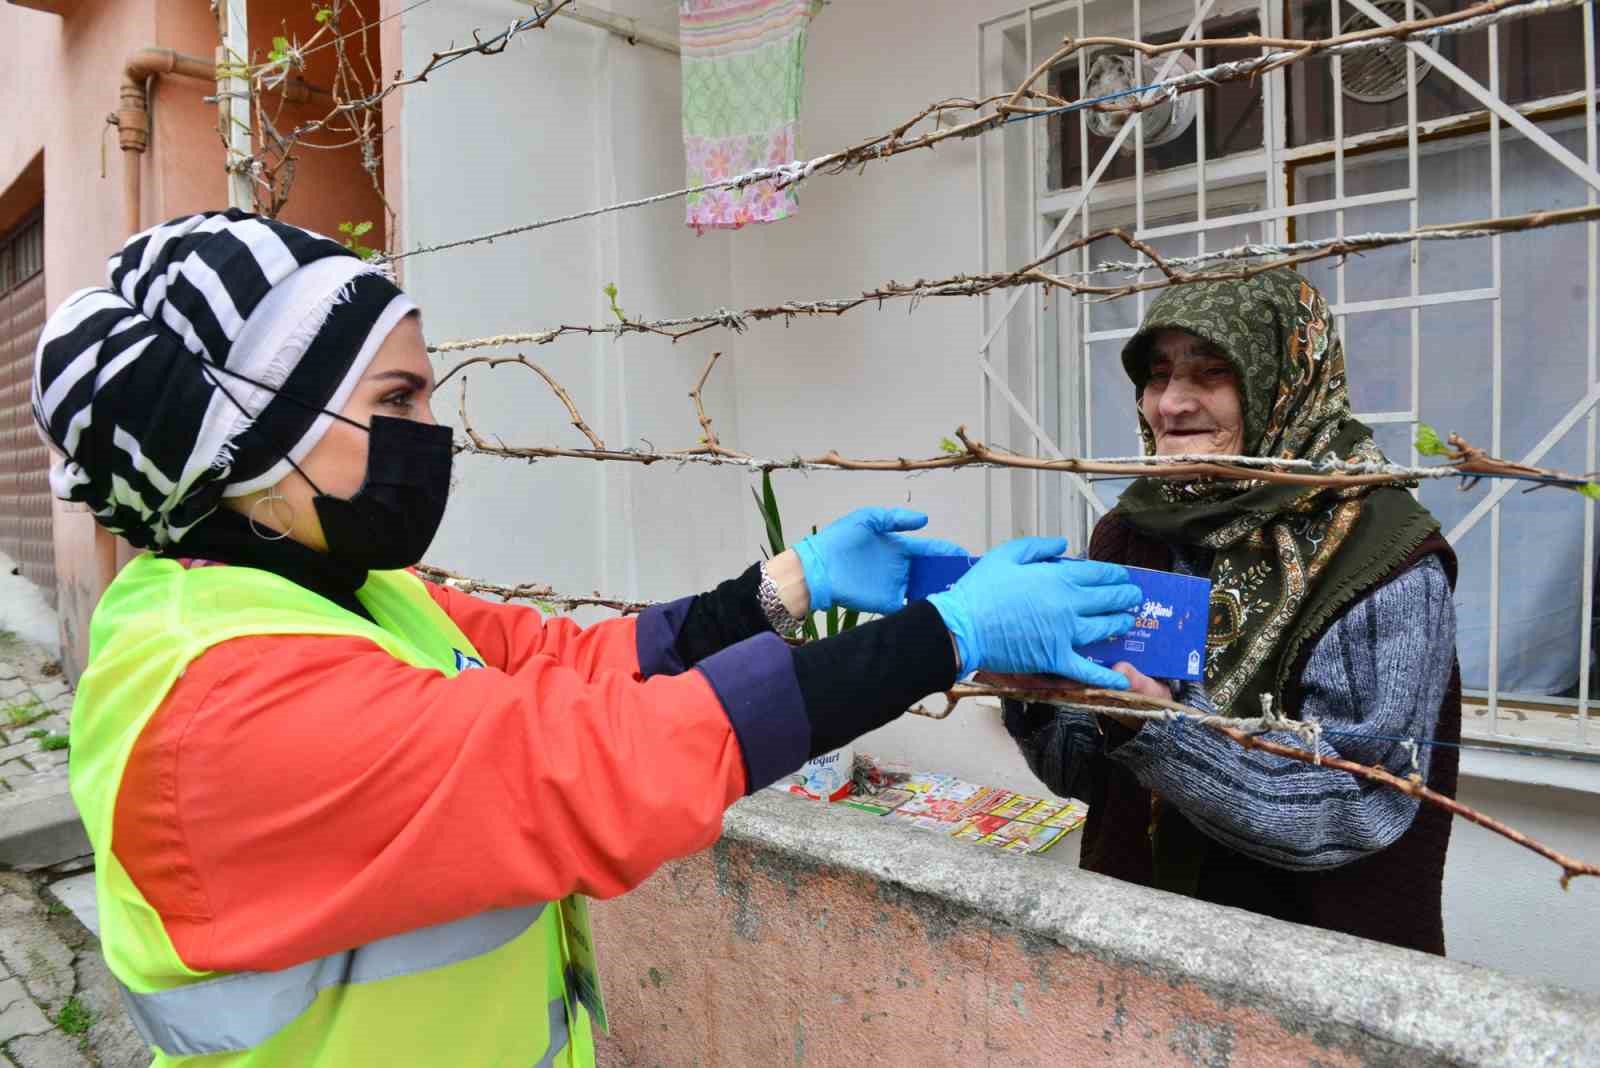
(1022, 609)
(862, 561)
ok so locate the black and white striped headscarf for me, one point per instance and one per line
(205, 368)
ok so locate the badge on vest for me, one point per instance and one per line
(463, 661)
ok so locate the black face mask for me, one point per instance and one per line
(391, 520)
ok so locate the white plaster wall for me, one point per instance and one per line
(564, 119)
(1503, 907)
(572, 118)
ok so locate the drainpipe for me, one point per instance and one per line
(132, 120)
(133, 114)
(132, 117)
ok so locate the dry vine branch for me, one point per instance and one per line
(1569, 866)
(1106, 702)
(535, 592)
(1173, 270)
(709, 444)
(523, 361)
(1117, 703)
(1462, 459)
(1008, 107)
(1468, 18)
(357, 97)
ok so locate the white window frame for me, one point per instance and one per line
(1502, 718)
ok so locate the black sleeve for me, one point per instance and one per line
(717, 619)
(868, 675)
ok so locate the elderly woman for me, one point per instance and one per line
(1336, 603)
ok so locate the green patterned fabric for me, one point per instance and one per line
(743, 72)
(1286, 558)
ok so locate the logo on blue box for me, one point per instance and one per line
(1168, 638)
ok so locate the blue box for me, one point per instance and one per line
(1168, 639)
(935, 574)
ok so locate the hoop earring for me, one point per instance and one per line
(274, 535)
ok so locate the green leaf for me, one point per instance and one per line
(770, 506)
(347, 227)
(75, 1018)
(946, 445)
(1590, 490)
(361, 228)
(1429, 442)
(280, 49)
(324, 14)
(850, 619)
(832, 620)
(774, 536)
(610, 291)
(810, 630)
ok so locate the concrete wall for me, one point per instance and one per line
(571, 118)
(817, 935)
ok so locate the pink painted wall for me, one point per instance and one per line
(58, 83)
(730, 958)
(60, 79)
(816, 935)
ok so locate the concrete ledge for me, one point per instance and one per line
(816, 930)
(39, 826)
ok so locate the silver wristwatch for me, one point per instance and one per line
(773, 608)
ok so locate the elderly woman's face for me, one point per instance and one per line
(1191, 399)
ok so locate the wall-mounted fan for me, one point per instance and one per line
(1378, 75)
(1113, 72)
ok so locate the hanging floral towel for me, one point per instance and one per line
(743, 67)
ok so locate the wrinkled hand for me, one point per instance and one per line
(1023, 609)
(1140, 683)
(861, 561)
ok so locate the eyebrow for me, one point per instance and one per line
(416, 381)
(1199, 350)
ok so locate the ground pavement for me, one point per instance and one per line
(59, 1007)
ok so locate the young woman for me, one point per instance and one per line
(344, 817)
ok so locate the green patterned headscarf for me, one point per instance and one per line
(1286, 558)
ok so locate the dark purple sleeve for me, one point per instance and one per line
(755, 681)
(673, 636)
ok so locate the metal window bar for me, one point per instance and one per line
(1036, 232)
(1592, 337)
(1496, 192)
(1275, 160)
(1086, 350)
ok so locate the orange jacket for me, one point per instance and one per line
(299, 795)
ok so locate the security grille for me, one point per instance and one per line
(1495, 338)
(25, 524)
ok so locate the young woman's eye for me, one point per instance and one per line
(400, 398)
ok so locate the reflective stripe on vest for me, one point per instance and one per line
(242, 1010)
(558, 1030)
